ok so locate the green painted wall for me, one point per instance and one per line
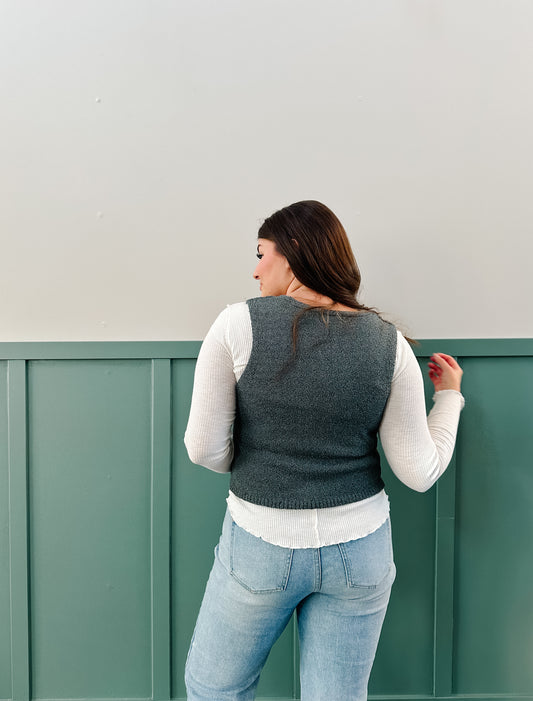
(107, 532)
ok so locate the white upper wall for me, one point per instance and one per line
(144, 141)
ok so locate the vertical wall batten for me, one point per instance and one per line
(444, 582)
(160, 527)
(18, 528)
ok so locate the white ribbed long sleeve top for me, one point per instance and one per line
(418, 448)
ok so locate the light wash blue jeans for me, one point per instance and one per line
(340, 594)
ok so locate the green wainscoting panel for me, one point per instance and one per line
(89, 454)
(494, 578)
(107, 532)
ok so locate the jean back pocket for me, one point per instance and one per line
(259, 566)
(368, 562)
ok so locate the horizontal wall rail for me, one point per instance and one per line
(79, 350)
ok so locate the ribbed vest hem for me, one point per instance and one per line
(308, 503)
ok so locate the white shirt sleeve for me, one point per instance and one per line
(418, 448)
(209, 434)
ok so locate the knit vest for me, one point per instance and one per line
(305, 432)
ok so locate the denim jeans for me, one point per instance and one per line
(340, 594)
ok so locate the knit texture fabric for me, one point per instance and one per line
(305, 432)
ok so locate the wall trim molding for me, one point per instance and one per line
(124, 350)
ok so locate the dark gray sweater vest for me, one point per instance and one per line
(305, 433)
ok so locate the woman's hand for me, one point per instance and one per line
(444, 372)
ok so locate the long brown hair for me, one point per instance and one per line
(316, 246)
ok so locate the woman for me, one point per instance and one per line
(291, 390)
